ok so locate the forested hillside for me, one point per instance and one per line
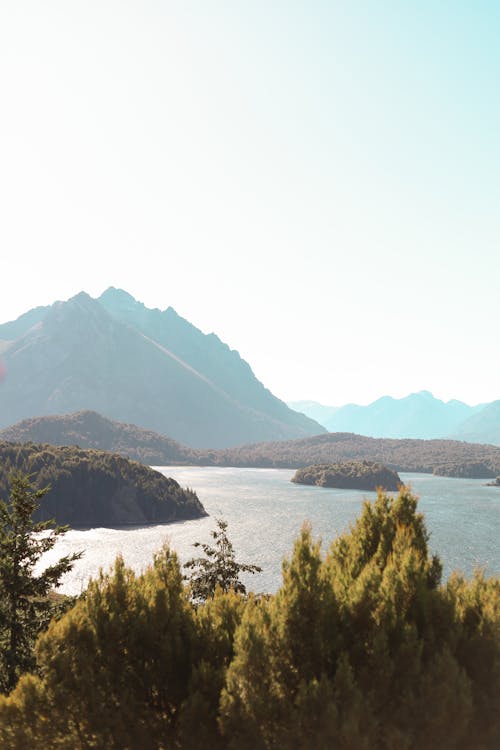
(89, 429)
(95, 488)
(447, 457)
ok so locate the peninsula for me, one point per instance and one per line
(96, 488)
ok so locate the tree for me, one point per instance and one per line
(358, 649)
(218, 568)
(25, 604)
(362, 649)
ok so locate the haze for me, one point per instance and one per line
(318, 183)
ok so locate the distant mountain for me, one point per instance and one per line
(94, 488)
(418, 415)
(315, 410)
(482, 426)
(147, 367)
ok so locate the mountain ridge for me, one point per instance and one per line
(138, 365)
(416, 416)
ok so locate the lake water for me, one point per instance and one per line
(265, 512)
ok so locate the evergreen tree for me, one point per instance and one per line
(218, 568)
(25, 605)
(361, 649)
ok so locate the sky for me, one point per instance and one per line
(316, 182)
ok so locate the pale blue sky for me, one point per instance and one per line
(316, 182)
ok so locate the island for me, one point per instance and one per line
(495, 483)
(349, 475)
(465, 470)
(91, 488)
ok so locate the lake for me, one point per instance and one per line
(265, 512)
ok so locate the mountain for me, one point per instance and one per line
(314, 410)
(148, 367)
(87, 429)
(418, 415)
(482, 426)
(94, 488)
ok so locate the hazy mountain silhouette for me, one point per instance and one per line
(148, 367)
(319, 412)
(419, 415)
(483, 426)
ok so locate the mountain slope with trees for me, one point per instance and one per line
(95, 488)
(141, 366)
(444, 457)
(90, 430)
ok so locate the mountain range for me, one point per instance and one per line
(419, 415)
(147, 366)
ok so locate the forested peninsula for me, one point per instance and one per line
(349, 475)
(96, 488)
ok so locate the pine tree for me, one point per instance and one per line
(25, 605)
(218, 568)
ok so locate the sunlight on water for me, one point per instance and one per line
(265, 512)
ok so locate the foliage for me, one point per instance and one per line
(365, 649)
(88, 429)
(449, 457)
(91, 430)
(218, 568)
(360, 649)
(362, 475)
(25, 604)
(92, 487)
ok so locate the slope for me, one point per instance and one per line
(80, 357)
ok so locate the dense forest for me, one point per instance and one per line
(88, 429)
(91, 430)
(350, 475)
(361, 648)
(444, 457)
(95, 488)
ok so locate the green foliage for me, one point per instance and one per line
(362, 475)
(218, 568)
(360, 649)
(90, 487)
(448, 457)
(25, 605)
(364, 650)
(88, 429)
